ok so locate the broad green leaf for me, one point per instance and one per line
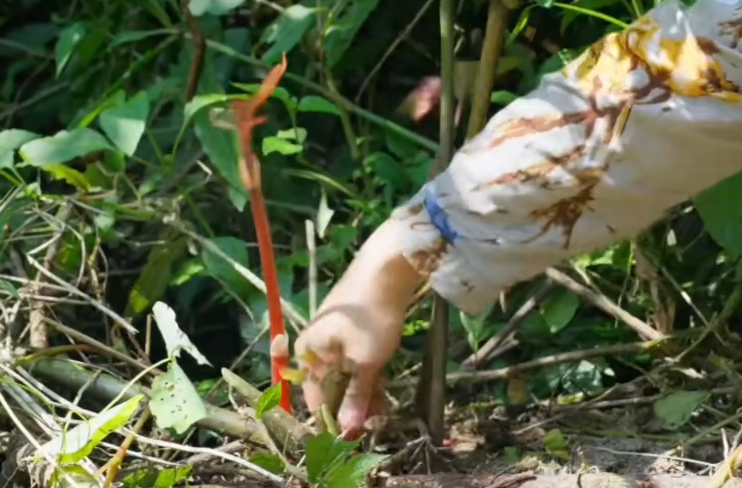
(556, 445)
(158, 478)
(269, 462)
(677, 408)
(268, 400)
(221, 148)
(282, 146)
(157, 273)
(175, 402)
(175, 339)
(312, 103)
(286, 32)
(125, 124)
(10, 288)
(68, 174)
(344, 27)
(352, 474)
(475, 326)
(221, 270)
(63, 147)
(323, 451)
(214, 7)
(72, 446)
(324, 215)
(201, 101)
(559, 308)
(298, 134)
(69, 38)
(720, 208)
(10, 141)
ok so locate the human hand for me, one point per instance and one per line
(356, 331)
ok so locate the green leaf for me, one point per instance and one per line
(10, 141)
(352, 474)
(8, 287)
(558, 309)
(268, 400)
(286, 32)
(222, 271)
(720, 208)
(503, 97)
(677, 408)
(556, 445)
(282, 146)
(298, 134)
(72, 446)
(175, 402)
(165, 478)
(214, 7)
(312, 103)
(201, 101)
(324, 215)
(269, 462)
(325, 450)
(157, 273)
(69, 38)
(127, 37)
(70, 175)
(125, 124)
(175, 339)
(221, 148)
(344, 28)
(63, 146)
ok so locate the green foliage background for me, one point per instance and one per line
(96, 133)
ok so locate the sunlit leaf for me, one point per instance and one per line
(10, 141)
(125, 124)
(175, 402)
(175, 339)
(282, 146)
(63, 146)
(75, 444)
(214, 7)
(324, 215)
(268, 400)
(286, 32)
(68, 174)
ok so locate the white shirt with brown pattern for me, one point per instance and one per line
(641, 121)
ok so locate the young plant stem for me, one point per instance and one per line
(494, 37)
(432, 387)
(247, 119)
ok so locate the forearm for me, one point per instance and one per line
(640, 122)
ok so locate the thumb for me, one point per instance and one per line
(357, 401)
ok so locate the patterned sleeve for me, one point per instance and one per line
(641, 121)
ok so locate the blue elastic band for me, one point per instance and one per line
(438, 216)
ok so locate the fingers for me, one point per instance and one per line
(356, 406)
